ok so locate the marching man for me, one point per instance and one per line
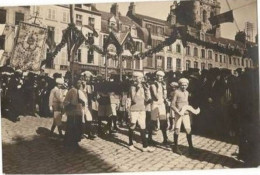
(56, 99)
(180, 99)
(138, 95)
(159, 96)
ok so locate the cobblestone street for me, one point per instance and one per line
(28, 149)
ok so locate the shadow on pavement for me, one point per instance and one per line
(211, 157)
(44, 155)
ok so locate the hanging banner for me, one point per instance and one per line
(29, 47)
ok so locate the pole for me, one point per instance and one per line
(72, 56)
(120, 67)
(106, 71)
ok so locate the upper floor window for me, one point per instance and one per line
(203, 66)
(202, 53)
(90, 56)
(178, 48)
(196, 65)
(18, 17)
(178, 64)
(91, 22)
(188, 50)
(216, 57)
(66, 17)
(209, 66)
(187, 64)
(195, 52)
(78, 19)
(210, 54)
(51, 14)
(169, 63)
(220, 58)
(2, 16)
(137, 64)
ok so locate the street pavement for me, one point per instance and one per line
(27, 148)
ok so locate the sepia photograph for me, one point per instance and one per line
(135, 86)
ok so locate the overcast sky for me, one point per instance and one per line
(161, 9)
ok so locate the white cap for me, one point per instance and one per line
(25, 74)
(19, 70)
(59, 81)
(183, 80)
(174, 84)
(138, 74)
(160, 73)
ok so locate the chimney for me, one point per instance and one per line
(131, 8)
(114, 9)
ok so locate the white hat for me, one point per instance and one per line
(59, 81)
(19, 70)
(174, 84)
(25, 74)
(183, 80)
(160, 73)
(138, 74)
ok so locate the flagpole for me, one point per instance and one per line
(71, 53)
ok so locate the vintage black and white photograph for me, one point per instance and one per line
(107, 87)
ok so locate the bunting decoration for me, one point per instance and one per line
(28, 47)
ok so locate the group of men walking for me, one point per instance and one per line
(148, 103)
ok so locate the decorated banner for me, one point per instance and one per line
(29, 47)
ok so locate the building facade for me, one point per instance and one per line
(147, 32)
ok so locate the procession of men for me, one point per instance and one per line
(212, 102)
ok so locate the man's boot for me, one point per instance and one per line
(189, 139)
(175, 147)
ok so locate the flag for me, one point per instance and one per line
(28, 47)
(222, 18)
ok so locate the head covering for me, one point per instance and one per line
(25, 74)
(59, 81)
(160, 73)
(19, 71)
(183, 80)
(174, 84)
(138, 74)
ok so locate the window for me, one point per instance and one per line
(2, 16)
(195, 51)
(78, 5)
(246, 63)
(78, 19)
(202, 36)
(159, 62)
(220, 58)
(2, 42)
(51, 33)
(51, 14)
(49, 63)
(78, 55)
(90, 56)
(91, 22)
(66, 17)
(169, 48)
(169, 63)
(138, 46)
(196, 65)
(204, 16)
(230, 60)
(202, 53)
(203, 66)
(137, 64)
(128, 64)
(63, 67)
(18, 17)
(216, 57)
(178, 48)
(188, 50)
(187, 64)
(149, 61)
(250, 63)
(160, 31)
(234, 61)
(243, 62)
(210, 54)
(224, 58)
(238, 61)
(209, 66)
(178, 64)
